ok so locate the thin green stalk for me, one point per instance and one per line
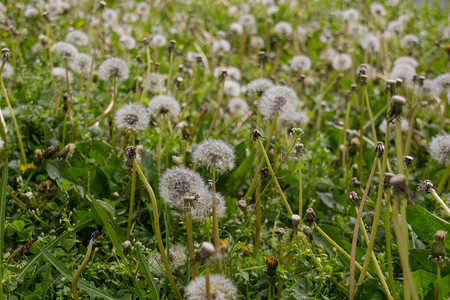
(257, 238)
(80, 269)
(408, 285)
(369, 111)
(300, 187)
(69, 104)
(157, 230)
(159, 146)
(133, 192)
(344, 133)
(398, 144)
(170, 70)
(50, 55)
(113, 109)
(361, 144)
(272, 173)
(194, 267)
(355, 231)
(339, 248)
(441, 202)
(147, 77)
(4, 184)
(376, 217)
(387, 221)
(207, 283)
(13, 117)
(438, 282)
(214, 215)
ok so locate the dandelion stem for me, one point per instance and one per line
(408, 286)
(188, 220)
(133, 191)
(207, 283)
(13, 117)
(214, 215)
(257, 237)
(80, 269)
(361, 146)
(441, 202)
(355, 231)
(339, 248)
(398, 145)
(277, 184)
(300, 187)
(159, 241)
(438, 282)
(388, 244)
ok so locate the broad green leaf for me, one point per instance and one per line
(370, 289)
(425, 224)
(425, 281)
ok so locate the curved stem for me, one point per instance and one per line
(441, 202)
(80, 269)
(158, 231)
(388, 244)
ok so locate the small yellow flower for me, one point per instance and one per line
(25, 167)
(224, 242)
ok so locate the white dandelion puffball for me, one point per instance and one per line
(163, 105)
(158, 40)
(404, 72)
(408, 60)
(442, 81)
(81, 64)
(221, 46)
(236, 27)
(154, 81)
(77, 37)
(404, 126)
(237, 107)
(60, 74)
(259, 86)
(65, 50)
(128, 42)
(177, 258)
(440, 149)
(113, 68)
(295, 118)
(370, 43)
(179, 184)
(283, 28)
(302, 34)
(377, 10)
(430, 89)
(133, 117)
(30, 11)
(342, 62)
(231, 88)
(257, 42)
(351, 15)
(301, 63)
(247, 20)
(409, 41)
(233, 72)
(328, 54)
(277, 100)
(8, 70)
(215, 154)
(222, 287)
(109, 15)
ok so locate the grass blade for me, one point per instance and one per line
(2, 219)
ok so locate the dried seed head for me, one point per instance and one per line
(5, 52)
(264, 172)
(126, 244)
(295, 219)
(387, 179)
(354, 198)
(205, 253)
(299, 149)
(379, 149)
(427, 186)
(408, 161)
(399, 186)
(356, 182)
(397, 103)
(280, 233)
(256, 135)
(242, 204)
(354, 146)
(310, 215)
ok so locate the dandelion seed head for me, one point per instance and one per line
(30, 11)
(442, 81)
(328, 54)
(247, 20)
(302, 34)
(152, 82)
(221, 46)
(277, 100)
(440, 149)
(377, 10)
(221, 288)
(81, 63)
(370, 43)
(326, 36)
(77, 38)
(231, 88)
(236, 27)
(8, 70)
(351, 15)
(158, 40)
(404, 126)
(163, 105)
(283, 28)
(430, 89)
(177, 258)
(406, 60)
(133, 117)
(113, 68)
(409, 41)
(215, 154)
(259, 86)
(273, 10)
(301, 63)
(257, 42)
(60, 74)
(295, 118)
(342, 62)
(109, 15)
(233, 72)
(127, 41)
(65, 50)
(237, 106)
